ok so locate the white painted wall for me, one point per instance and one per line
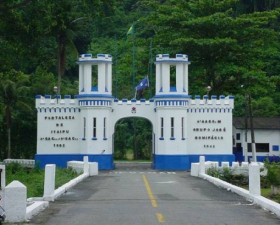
(261, 136)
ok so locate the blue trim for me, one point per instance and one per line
(103, 55)
(94, 138)
(38, 96)
(116, 100)
(275, 147)
(105, 162)
(214, 97)
(151, 100)
(205, 96)
(172, 138)
(171, 162)
(93, 61)
(222, 97)
(161, 138)
(183, 139)
(124, 100)
(142, 100)
(173, 89)
(197, 97)
(219, 158)
(133, 100)
(171, 96)
(87, 55)
(47, 96)
(94, 88)
(93, 96)
(67, 96)
(172, 61)
(83, 139)
(183, 162)
(231, 97)
(104, 138)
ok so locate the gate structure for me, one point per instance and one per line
(184, 127)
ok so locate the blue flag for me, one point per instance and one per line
(144, 83)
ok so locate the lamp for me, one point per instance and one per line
(55, 91)
(208, 89)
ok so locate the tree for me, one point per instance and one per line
(226, 48)
(13, 91)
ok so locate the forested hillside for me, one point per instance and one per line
(233, 46)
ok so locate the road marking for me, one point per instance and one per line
(149, 191)
(131, 172)
(160, 218)
(166, 182)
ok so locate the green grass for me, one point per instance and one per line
(242, 181)
(33, 178)
(132, 160)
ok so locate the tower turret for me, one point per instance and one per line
(104, 74)
(167, 84)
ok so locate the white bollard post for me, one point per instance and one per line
(225, 164)
(49, 183)
(93, 169)
(15, 202)
(202, 164)
(86, 166)
(254, 179)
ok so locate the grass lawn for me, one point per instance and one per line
(33, 178)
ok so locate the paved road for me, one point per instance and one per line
(136, 195)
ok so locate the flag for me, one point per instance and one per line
(131, 30)
(144, 83)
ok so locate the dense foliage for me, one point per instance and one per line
(233, 46)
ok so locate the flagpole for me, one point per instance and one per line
(133, 61)
(151, 67)
(116, 66)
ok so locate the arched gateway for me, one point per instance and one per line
(184, 128)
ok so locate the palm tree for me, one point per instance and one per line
(13, 92)
(66, 35)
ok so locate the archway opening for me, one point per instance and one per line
(133, 140)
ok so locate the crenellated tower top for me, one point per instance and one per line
(86, 76)
(169, 83)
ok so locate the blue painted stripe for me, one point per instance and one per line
(171, 96)
(172, 61)
(214, 97)
(183, 162)
(105, 162)
(93, 61)
(171, 162)
(93, 96)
